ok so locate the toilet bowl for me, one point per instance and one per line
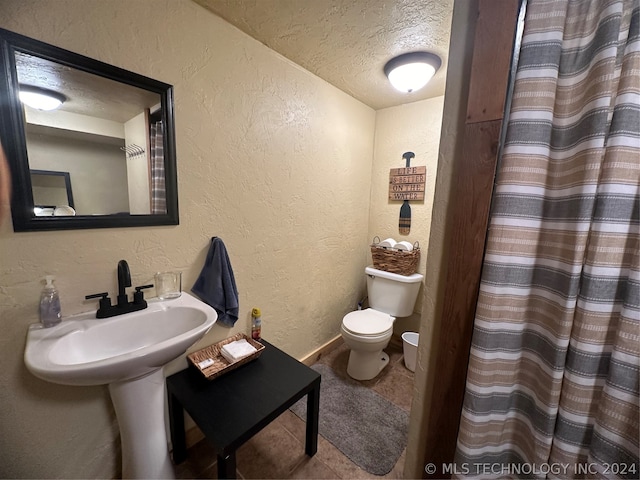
(367, 332)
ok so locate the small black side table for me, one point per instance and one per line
(232, 408)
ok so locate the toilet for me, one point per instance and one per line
(367, 332)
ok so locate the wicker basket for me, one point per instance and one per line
(220, 364)
(395, 261)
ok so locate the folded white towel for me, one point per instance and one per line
(237, 350)
(229, 358)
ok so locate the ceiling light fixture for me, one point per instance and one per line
(40, 98)
(412, 71)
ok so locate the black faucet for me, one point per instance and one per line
(124, 281)
(123, 305)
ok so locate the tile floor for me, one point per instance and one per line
(278, 450)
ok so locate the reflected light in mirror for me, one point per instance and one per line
(40, 98)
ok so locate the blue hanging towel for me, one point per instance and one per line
(216, 284)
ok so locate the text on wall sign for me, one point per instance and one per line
(407, 183)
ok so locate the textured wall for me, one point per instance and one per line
(414, 127)
(270, 158)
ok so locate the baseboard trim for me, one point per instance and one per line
(396, 340)
(313, 357)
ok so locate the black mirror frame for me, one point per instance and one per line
(12, 136)
(67, 183)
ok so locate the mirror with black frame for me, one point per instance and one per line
(52, 193)
(108, 132)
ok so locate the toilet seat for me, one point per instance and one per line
(367, 323)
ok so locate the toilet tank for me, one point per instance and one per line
(392, 293)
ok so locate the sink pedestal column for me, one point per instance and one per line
(139, 406)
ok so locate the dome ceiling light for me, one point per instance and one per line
(410, 72)
(40, 98)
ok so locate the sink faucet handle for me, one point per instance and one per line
(97, 295)
(138, 297)
(105, 302)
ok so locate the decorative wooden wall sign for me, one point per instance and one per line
(406, 184)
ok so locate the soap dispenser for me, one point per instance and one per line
(50, 304)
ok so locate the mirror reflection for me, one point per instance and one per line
(101, 134)
(52, 194)
(107, 132)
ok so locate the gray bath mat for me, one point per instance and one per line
(363, 425)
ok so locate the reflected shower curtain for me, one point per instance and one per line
(552, 384)
(158, 192)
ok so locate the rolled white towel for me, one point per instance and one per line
(404, 245)
(237, 350)
(388, 243)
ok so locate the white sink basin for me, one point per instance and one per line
(128, 353)
(83, 350)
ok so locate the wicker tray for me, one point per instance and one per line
(393, 260)
(221, 365)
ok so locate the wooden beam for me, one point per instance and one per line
(472, 191)
(470, 219)
(495, 32)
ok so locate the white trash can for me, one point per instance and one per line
(410, 349)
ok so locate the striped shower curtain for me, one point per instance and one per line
(158, 189)
(552, 384)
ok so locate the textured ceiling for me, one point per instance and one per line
(86, 93)
(347, 42)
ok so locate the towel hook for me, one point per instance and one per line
(133, 150)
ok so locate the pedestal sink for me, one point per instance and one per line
(126, 352)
